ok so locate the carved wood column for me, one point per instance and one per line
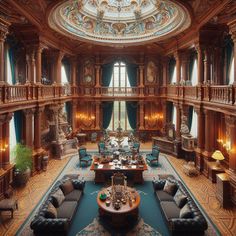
(165, 65)
(209, 139)
(141, 80)
(74, 119)
(97, 127)
(3, 33)
(207, 61)
(164, 110)
(97, 77)
(200, 64)
(218, 55)
(231, 127)
(39, 64)
(37, 127)
(73, 62)
(28, 121)
(141, 115)
(178, 121)
(200, 138)
(6, 136)
(178, 66)
(232, 30)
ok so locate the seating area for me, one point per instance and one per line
(56, 212)
(179, 209)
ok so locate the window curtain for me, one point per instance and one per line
(131, 108)
(107, 109)
(68, 112)
(132, 74)
(107, 71)
(172, 64)
(66, 65)
(193, 130)
(18, 122)
(190, 117)
(11, 53)
(229, 56)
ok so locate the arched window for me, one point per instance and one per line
(9, 70)
(119, 80)
(12, 138)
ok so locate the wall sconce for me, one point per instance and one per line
(154, 117)
(3, 147)
(84, 117)
(226, 144)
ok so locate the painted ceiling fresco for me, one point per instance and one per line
(119, 21)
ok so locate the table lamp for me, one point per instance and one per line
(218, 156)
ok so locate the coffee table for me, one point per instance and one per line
(122, 216)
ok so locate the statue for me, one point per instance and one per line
(184, 127)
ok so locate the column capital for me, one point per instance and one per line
(165, 60)
(230, 120)
(28, 112)
(199, 48)
(38, 110)
(4, 25)
(5, 117)
(58, 54)
(141, 67)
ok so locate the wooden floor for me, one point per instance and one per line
(201, 187)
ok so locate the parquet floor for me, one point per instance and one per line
(201, 187)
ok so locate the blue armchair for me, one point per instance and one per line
(152, 158)
(102, 148)
(136, 146)
(84, 156)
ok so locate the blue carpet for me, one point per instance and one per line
(149, 209)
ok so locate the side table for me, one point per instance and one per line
(223, 189)
(213, 169)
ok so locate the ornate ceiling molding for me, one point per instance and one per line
(119, 22)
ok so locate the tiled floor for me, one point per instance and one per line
(200, 186)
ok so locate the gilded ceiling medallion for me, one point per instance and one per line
(119, 21)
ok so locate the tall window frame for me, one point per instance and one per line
(119, 80)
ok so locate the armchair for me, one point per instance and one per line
(84, 156)
(152, 158)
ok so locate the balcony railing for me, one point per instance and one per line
(206, 93)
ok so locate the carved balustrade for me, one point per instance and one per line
(172, 90)
(190, 92)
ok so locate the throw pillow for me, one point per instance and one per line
(180, 199)
(51, 212)
(67, 187)
(170, 187)
(185, 212)
(58, 197)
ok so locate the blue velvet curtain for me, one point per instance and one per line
(68, 112)
(172, 64)
(132, 74)
(107, 109)
(190, 117)
(18, 122)
(107, 70)
(131, 107)
(229, 46)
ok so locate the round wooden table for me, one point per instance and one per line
(122, 216)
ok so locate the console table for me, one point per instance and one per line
(213, 169)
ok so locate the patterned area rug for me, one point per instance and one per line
(97, 229)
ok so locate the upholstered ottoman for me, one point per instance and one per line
(190, 169)
(8, 204)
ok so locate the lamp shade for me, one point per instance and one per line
(217, 155)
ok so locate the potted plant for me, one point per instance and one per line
(23, 163)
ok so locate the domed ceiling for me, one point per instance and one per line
(119, 21)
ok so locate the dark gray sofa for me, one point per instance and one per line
(193, 224)
(44, 224)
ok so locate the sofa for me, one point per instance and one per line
(182, 215)
(56, 213)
